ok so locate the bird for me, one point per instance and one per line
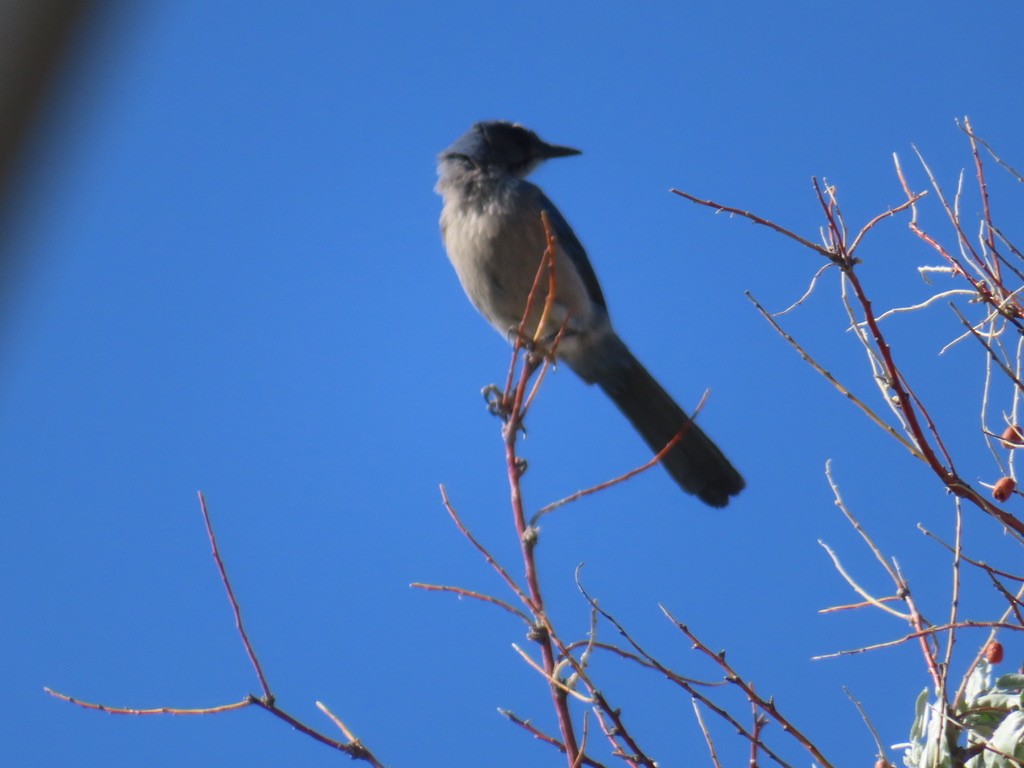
(493, 232)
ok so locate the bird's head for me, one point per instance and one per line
(503, 146)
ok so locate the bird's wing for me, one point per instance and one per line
(573, 248)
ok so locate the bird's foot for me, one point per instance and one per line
(497, 405)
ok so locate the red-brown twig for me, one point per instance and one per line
(235, 610)
(538, 734)
(913, 198)
(961, 691)
(1007, 371)
(977, 563)
(352, 746)
(918, 634)
(609, 718)
(740, 728)
(913, 615)
(838, 252)
(986, 280)
(1012, 600)
(757, 220)
(654, 461)
(976, 258)
(535, 602)
(766, 705)
(759, 722)
(969, 130)
(527, 535)
(512, 403)
(954, 483)
(894, 378)
(498, 568)
(986, 207)
(689, 685)
(864, 407)
(655, 665)
(474, 595)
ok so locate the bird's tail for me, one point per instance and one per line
(695, 462)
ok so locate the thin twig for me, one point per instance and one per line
(855, 523)
(461, 592)
(551, 677)
(538, 734)
(655, 460)
(757, 220)
(886, 214)
(857, 606)
(922, 633)
(766, 705)
(988, 348)
(833, 381)
(962, 690)
(867, 722)
(498, 568)
(707, 735)
(337, 722)
(353, 747)
(234, 602)
(857, 587)
(246, 702)
(978, 563)
(954, 607)
(807, 293)
(926, 303)
(532, 596)
(969, 130)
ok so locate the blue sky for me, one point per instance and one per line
(232, 280)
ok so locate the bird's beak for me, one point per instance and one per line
(548, 151)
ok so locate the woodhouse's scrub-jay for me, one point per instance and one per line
(492, 229)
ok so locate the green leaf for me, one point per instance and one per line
(917, 730)
(1004, 702)
(1011, 682)
(1008, 739)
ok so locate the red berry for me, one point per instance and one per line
(994, 652)
(1012, 437)
(1002, 489)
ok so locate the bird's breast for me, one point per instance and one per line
(496, 248)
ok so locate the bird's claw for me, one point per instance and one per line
(496, 403)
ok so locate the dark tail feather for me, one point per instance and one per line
(695, 462)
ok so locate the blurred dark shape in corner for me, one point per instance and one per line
(35, 39)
